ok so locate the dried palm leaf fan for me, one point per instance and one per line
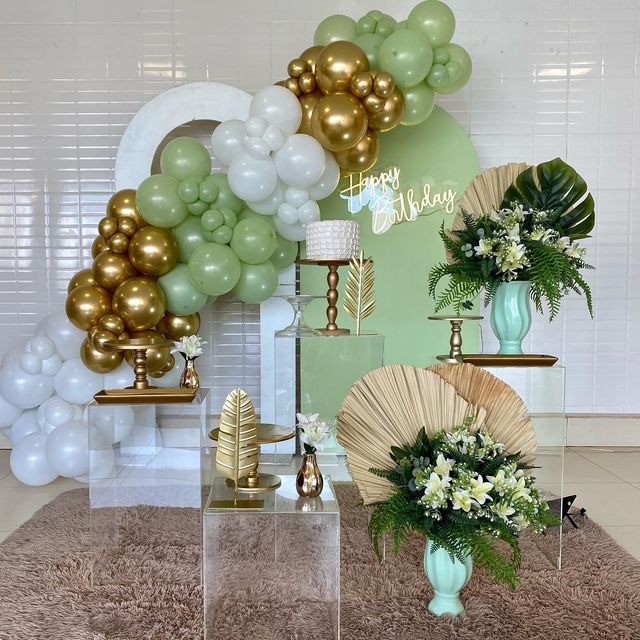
(390, 405)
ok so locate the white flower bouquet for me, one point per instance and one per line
(189, 346)
(313, 431)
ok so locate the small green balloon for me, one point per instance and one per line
(366, 24)
(197, 208)
(214, 268)
(158, 202)
(440, 55)
(435, 20)
(184, 158)
(284, 254)
(188, 190)
(208, 190)
(222, 235)
(454, 69)
(385, 25)
(407, 56)
(257, 282)
(418, 104)
(376, 14)
(230, 217)
(211, 219)
(336, 27)
(460, 56)
(254, 240)
(401, 25)
(189, 236)
(226, 197)
(438, 76)
(370, 44)
(182, 297)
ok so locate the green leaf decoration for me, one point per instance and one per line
(359, 297)
(556, 186)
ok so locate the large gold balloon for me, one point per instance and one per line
(79, 279)
(308, 103)
(337, 63)
(338, 121)
(310, 55)
(111, 269)
(157, 357)
(123, 205)
(153, 251)
(171, 362)
(175, 327)
(390, 115)
(86, 304)
(98, 246)
(140, 303)
(361, 157)
(99, 361)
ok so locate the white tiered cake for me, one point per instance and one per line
(333, 239)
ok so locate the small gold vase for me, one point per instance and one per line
(309, 480)
(189, 378)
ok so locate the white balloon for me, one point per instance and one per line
(119, 378)
(76, 384)
(252, 179)
(41, 346)
(301, 161)
(51, 365)
(66, 336)
(24, 425)
(287, 213)
(9, 413)
(25, 390)
(113, 423)
(329, 179)
(278, 106)
(268, 206)
(295, 231)
(41, 410)
(226, 141)
(31, 363)
(296, 197)
(274, 136)
(101, 463)
(13, 355)
(58, 413)
(67, 449)
(256, 126)
(309, 212)
(256, 147)
(29, 462)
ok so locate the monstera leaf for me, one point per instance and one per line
(556, 186)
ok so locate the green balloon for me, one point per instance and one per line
(401, 25)
(376, 14)
(222, 235)
(208, 190)
(454, 69)
(211, 220)
(284, 254)
(418, 104)
(226, 197)
(214, 268)
(336, 27)
(185, 158)
(407, 56)
(370, 44)
(440, 55)
(188, 190)
(183, 298)
(385, 25)
(198, 207)
(254, 240)
(438, 76)
(366, 24)
(460, 56)
(158, 202)
(257, 282)
(434, 20)
(230, 217)
(189, 236)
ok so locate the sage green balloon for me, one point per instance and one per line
(435, 20)
(454, 69)
(407, 56)
(188, 190)
(226, 197)
(214, 268)
(284, 254)
(385, 25)
(208, 190)
(198, 207)
(221, 235)
(182, 297)
(336, 27)
(401, 25)
(254, 240)
(460, 56)
(438, 76)
(440, 55)
(248, 213)
(418, 104)
(158, 202)
(189, 237)
(230, 217)
(370, 43)
(211, 220)
(366, 24)
(257, 282)
(184, 158)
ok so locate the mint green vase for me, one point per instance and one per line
(511, 315)
(447, 576)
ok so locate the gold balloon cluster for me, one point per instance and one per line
(344, 103)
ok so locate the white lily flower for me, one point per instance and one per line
(462, 500)
(479, 490)
(189, 346)
(443, 465)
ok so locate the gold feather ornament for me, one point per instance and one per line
(359, 296)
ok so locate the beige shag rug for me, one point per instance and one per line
(45, 590)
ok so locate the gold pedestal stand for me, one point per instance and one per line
(255, 482)
(455, 342)
(333, 278)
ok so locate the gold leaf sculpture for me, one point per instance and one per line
(359, 295)
(389, 406)
(237, 452)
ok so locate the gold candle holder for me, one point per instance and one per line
(455, 342)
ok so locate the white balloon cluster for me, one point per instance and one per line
(274, 169)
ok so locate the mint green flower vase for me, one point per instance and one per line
(447, 576)
(511, 315)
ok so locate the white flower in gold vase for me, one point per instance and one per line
(313, 431)
(189, 346)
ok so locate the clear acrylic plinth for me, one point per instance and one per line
(136, 483)
(273, 570)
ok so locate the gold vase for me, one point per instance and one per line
(309, 480)
(189, 378)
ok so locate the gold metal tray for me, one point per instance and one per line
(151, 395)
(496, 360)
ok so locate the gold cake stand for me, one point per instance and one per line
(455, 342)
(255, 482)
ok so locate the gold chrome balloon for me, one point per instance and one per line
(293, 86)
(128, 226)
(362, 84)
(307, 82)
(122, 204)
(99, 361)
(157, 357)
(297, 67)
(111, 269)
(390, 115)
(140, 303)
(87, 304)
(107, 227)
(361, 157)
(373, 102)
(310, 55)
(153, 251)
(308, 103)
(98, 246)
(175, 327)
(99, 338)
(113, 323)
(383, 84)
(337, 63)
(118, 242)
(171, 362)
(79, 279)
(338, 121)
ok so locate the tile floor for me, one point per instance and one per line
(606, 481)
